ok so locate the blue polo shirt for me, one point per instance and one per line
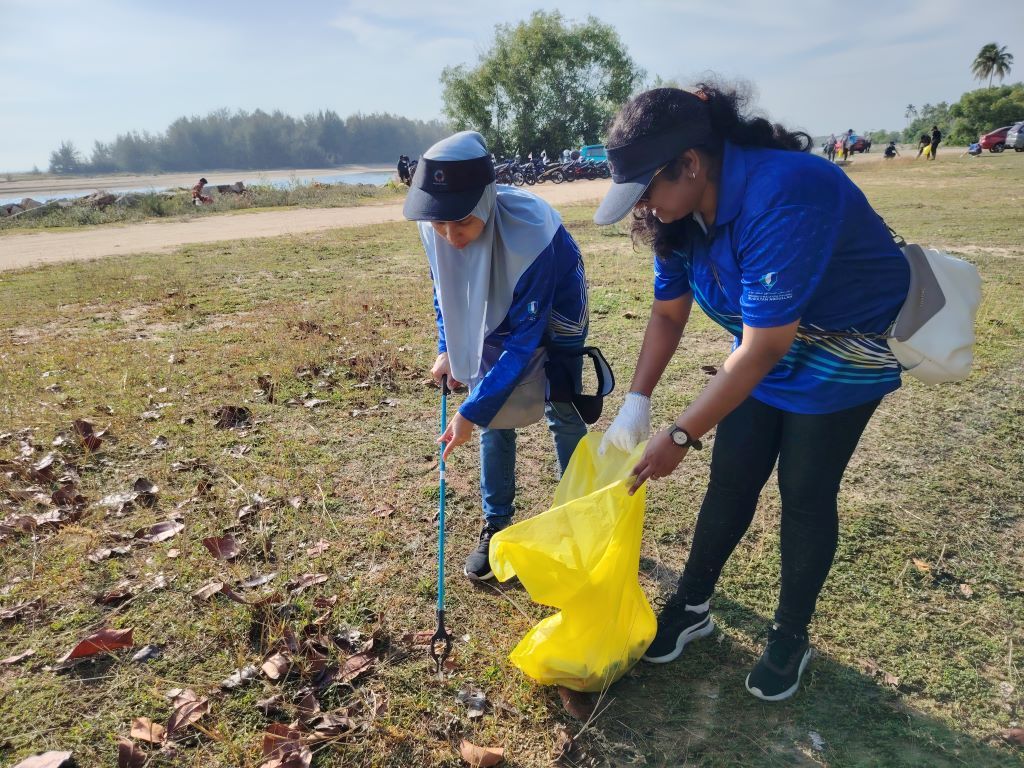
(793, 239)
(549, 307)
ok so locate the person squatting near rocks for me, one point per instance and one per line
(508, 282)
(784, 252)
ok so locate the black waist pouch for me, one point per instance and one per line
(564, 370)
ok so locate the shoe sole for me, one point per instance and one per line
(473, 577)
(756, 692)
(696, 632)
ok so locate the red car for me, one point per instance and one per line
(995, 141)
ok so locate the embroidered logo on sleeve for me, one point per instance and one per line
(533, 308)
(769, 279)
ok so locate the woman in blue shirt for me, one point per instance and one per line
(782, 250)
(508, 283)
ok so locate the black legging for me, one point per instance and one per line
(813, 451)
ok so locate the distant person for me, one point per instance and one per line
(847, 144)
(935, 138)
(198, 198)
(891, 151)
(974, 150)
(830, 148)
(924, 140)
(544, 156)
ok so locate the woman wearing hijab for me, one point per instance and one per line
(508, 283)
(784, 252)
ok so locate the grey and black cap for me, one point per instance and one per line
(448, 189)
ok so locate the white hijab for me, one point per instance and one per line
(474, 285)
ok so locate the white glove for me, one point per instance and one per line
(631, 426)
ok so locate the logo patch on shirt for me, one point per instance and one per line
(533, 308)
(769, 279)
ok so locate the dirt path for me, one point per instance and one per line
(36, 248)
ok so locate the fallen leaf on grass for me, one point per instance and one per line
(150, 415)
(313, 402)
(319, 548)
(1014, 736)
(258, 580)
(116, 595)
(147, 491)
(232, 416)
(921, 565)
(145, 729)
(91, 437)
(305, 581)
(276, 665)
(129, 755)
(104, 641)
(579, 705)
(160, 531)
(354, 666)
(966, 591)
(283, 747)
(223, 547)
(480, 757)
(45, 760)
(17, 612)
(207, 591)
(817, 743)
(20, 657)
(306, 704)
(101, 554)
(186, 713)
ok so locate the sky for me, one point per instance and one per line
(83, 70)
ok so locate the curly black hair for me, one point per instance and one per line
(660, 109)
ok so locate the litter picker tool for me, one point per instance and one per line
(441, 642)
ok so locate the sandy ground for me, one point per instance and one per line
(27, 185)
(36, 248)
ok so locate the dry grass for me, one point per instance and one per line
(344, 318)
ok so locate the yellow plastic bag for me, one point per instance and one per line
(582, 556)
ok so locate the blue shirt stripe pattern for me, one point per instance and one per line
(795, 239)
(549, 307)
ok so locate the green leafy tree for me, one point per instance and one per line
(929, 115)
(992, 60)
(545, 83)
(65, 159)
(986, 109)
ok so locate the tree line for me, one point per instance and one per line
(254, 140)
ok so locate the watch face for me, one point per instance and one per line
(679, 437)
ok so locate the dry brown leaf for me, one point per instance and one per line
(966, 591)
(258, 580)
(355, 666)
(208, 590)
(45, 760)
(104, 641)
(160, 531)
(118, 594)
(480, 757)
(890, 679)
(20, 657)
(185, 714)
(129, 755)
(276, 665)
(240, 677)
(232, 416)
(921, 565)
(17, 612)
(222, 547)
(145, 729)
(90, 437)
(319, 548)
(579, 705)
(1014, 736)
(283, 747)
(305, 581)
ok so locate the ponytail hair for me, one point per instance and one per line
(660, 110)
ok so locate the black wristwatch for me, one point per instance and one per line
(682, 438)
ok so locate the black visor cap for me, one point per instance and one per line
(447, 190)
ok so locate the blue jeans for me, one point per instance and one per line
(498, 460)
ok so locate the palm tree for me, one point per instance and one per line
(911, 113)
(992, 60)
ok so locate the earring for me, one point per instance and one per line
(693, 175)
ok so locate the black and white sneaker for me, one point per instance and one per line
(677, 626)
(776, 676)
(478, 564)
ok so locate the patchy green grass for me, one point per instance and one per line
(177, 204)
(918, 631)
